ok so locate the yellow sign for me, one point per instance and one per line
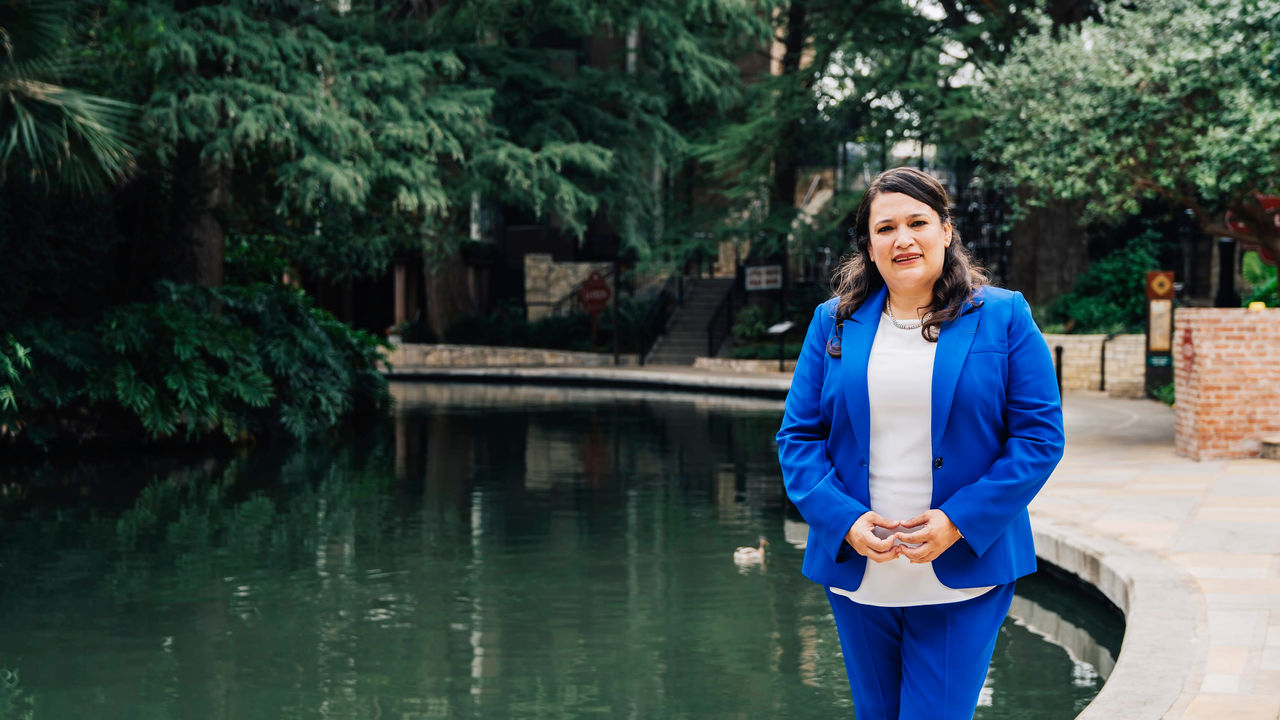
(1159, 285)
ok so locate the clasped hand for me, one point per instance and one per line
(920, 539)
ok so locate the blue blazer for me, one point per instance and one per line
(996, 428)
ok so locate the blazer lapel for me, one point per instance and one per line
(859, 332)
(954, 340)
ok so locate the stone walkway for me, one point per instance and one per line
(1191, 550)
(1214, 520)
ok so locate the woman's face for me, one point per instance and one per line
(908, 243)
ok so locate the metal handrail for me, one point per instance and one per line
(720, 326)
(659, 318)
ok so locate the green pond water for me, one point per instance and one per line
(493, 552)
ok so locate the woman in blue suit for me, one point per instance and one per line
(922, 419)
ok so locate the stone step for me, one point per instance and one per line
(709, 306)
(686, 336)
(1271, 447)
(673, 338)
(688, 332)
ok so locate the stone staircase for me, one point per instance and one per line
(686, 335)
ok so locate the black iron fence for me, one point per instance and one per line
(979, 217)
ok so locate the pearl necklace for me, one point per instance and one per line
(901, 325)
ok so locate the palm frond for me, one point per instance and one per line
(51, 133)
(31, 28)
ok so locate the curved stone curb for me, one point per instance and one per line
(1163, 645)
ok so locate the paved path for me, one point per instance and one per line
(1194, 546)
(1215, 520)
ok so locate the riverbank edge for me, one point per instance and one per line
(773, 385)
(1164, 647)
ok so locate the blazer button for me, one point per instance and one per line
(937, 462)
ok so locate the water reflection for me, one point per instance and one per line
(495, 552)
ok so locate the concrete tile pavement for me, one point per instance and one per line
(1215, 521)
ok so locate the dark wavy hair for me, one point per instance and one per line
(856, 278)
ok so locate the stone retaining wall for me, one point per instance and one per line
(738, 365)
(1226, 365)
(412, 356)
(546, 281)
(1082, 362)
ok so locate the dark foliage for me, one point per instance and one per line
(226, 365)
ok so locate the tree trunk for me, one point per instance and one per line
(785, 166)
(198, 240)
(449, 293)
(1073, 12)
(1048, 250)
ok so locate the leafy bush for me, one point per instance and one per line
(1111, 295)
(1260, 281)
(1164, 393)
(766, 351)
(14, 359)
(506, 327)
(195, 364)
(750, 325)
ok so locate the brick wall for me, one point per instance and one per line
(1226, 365)
(1082, 362)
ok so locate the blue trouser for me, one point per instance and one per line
(921, 661)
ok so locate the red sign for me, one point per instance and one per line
(594, 294)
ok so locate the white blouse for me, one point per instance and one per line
(899, 387)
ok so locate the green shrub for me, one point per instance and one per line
(1111, 295)
(14, 359)
(766, 351)
(197, 363)
(506, 327)
(1163, 393)
(1259, 280)
(751, 324)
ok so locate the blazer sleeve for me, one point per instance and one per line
(811, 480)
(983, 510)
